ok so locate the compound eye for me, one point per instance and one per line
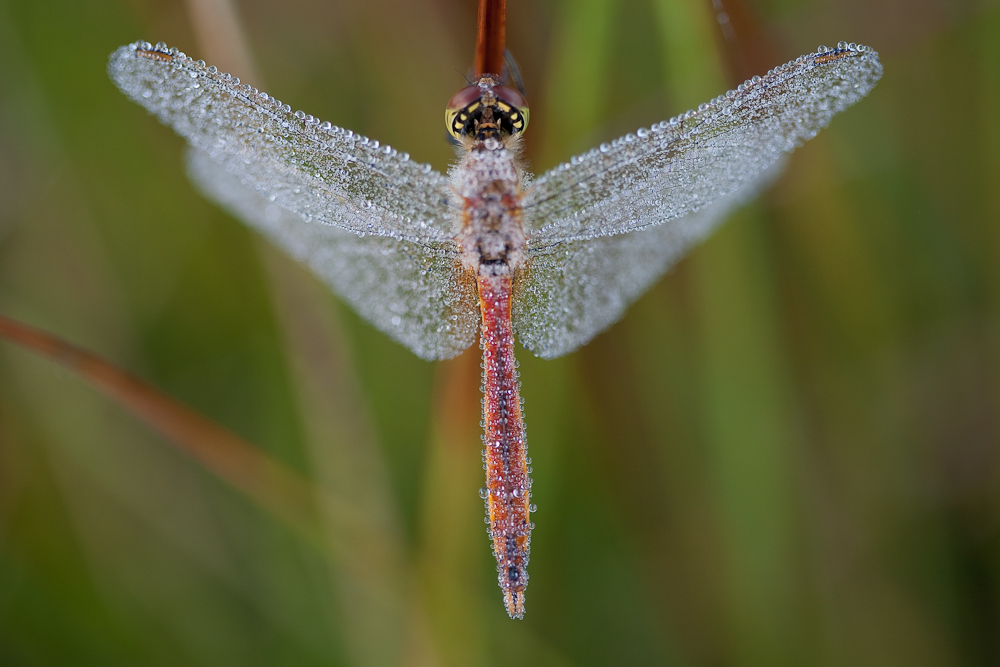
(464, 98)
(457, 113)
(510, 96)
(518, 112)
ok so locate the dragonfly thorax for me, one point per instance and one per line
(487, 182)
(486, 109)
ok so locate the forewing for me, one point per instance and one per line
(416, 293)
(681, 165)
(319, 171)
(572, 291)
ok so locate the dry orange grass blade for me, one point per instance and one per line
(276, 488)
(221, 38)
(745, 46)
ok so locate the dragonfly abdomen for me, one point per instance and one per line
(508, 486)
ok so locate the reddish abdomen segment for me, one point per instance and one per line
(507, 483)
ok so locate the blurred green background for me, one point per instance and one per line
(785, 454)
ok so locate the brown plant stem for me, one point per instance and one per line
(490, 37)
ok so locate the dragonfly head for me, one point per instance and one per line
(486, 109)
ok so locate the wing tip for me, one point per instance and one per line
(870, 71)
(142, 49)
(129, 65)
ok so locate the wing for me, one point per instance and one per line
(416, 293)
(574, 290)
(678, 166)
(319, 171)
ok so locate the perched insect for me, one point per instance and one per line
(431, 259)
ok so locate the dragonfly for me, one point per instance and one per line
(487, 250)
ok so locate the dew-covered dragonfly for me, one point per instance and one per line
(432, 259)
